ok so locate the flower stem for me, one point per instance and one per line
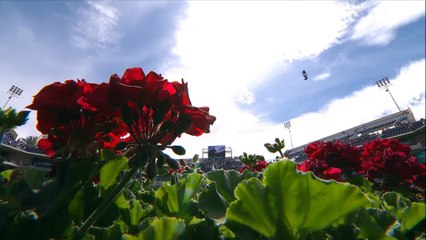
(281, 153)
(110, 198)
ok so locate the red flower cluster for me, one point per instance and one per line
(260, 165)
(329, 160)
(155, 110)
(179, 170)
(79, 117)
(384, 161)
(76, 118)
(389, 163)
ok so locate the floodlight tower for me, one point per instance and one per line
(384, 84)
(14, 91)
(288, 126)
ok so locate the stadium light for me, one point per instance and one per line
(384, 84)
(288, 126)
(14, 91)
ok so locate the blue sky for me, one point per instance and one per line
(242, 59)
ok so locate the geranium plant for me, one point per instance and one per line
(253, 162)
(107, 144)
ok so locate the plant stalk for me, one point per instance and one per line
(110, 198)
(281, 153)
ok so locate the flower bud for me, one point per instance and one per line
(172, 163)
(179, 150)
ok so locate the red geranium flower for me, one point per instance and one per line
(333, 173)
(154, 110)
(79, 118)
(387, 161)
(331, 160)
(76, 118)
(335, 154)
(244, 168)
(260, 165)
(305, 166)
(179, 170)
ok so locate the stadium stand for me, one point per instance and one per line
(401, 125)
(9, 139)
(227, 163)
(16, 153)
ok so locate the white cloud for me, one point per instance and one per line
(379, 25)
(321, 77)
(96, 25)
(252, 38)
(228, 48)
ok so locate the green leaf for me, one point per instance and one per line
(48, 192)
(11, 119)
(93, 197)
(395, 202)
(163, 228)
(375, 223)
(3, 117)
(76, 207)
(55, 227)
(227, 181)
(253, 209)
(19, 189)
(135, 186)
(134, 214)
(212, 203)
(412, 216)
(226, 232)
(289, 204)
(243, 231)
(109, 172)
(34, 178)
(409, 213)
(106, 233)
(129, 237)
(342, 231)
(6, 174)
(107, 155)
(27, 225)
(21, 118)
(204, 229)
(122, 202)
(176, 200)
(70, 176)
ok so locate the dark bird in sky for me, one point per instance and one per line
(305, 75)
